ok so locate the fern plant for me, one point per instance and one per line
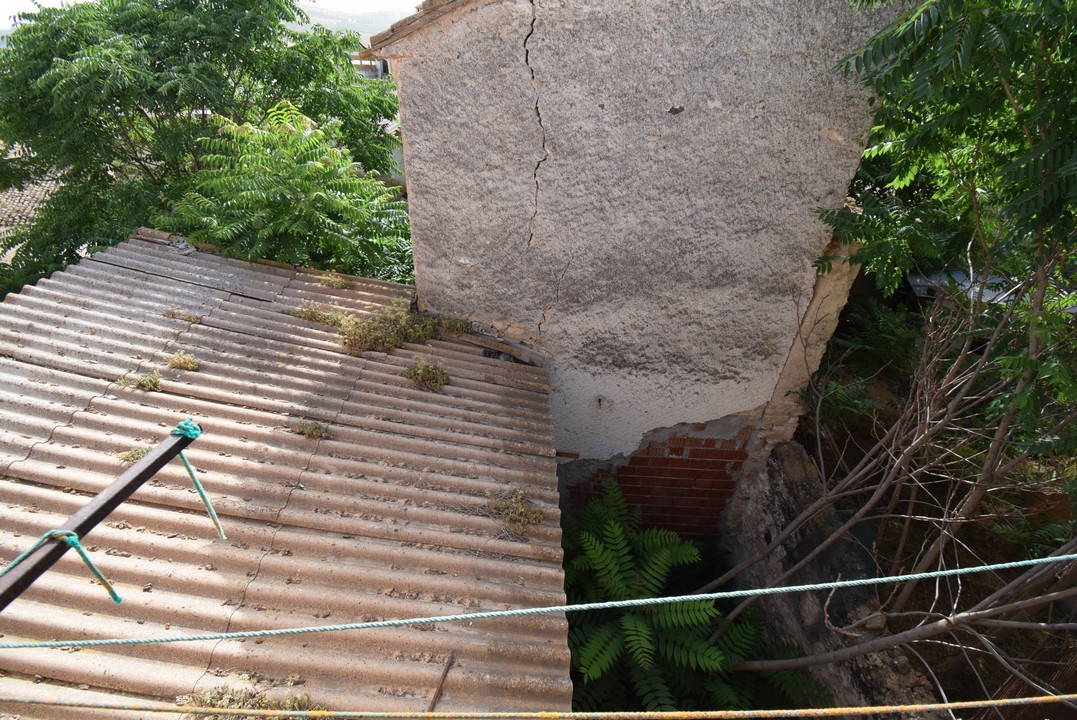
(655, 657)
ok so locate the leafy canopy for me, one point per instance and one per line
(284, 190)
(114, 96)
(972, 168)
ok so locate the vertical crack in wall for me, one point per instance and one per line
(556, 296)
(542, 128)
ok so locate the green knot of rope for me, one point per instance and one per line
(72, 541)
(188, 428)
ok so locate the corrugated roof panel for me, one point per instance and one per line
(391, 516)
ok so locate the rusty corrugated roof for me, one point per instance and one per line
(389, 518)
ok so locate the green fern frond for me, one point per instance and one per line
(639, 639)
(688, 614)
(729, 694)
(605, 565)
(602, 649)
(739, 641)
(689, 651)
(652, 689)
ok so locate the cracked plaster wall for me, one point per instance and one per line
(630, 187)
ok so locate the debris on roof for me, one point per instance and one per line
(387, 510)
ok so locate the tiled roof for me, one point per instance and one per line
(429, 11)
(19, 207)
(389, 518)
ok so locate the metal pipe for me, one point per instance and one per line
(89, 515)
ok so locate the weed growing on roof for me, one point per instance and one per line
(515, 511)
(150, 382)
(183, 361)
(321, 313)
(335, 281)
(312, 430)
(175, 312)
(389, 328)
(426, 375)
(454, 325)
(241, 699)
(134, 454)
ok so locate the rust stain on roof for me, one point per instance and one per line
(389, 517)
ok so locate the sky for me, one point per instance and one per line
(8, 8)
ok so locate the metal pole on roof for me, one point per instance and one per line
(15, 582)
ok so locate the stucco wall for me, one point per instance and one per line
(630, 186)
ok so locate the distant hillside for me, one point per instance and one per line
(368, 24)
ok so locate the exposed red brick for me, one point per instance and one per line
(715, 483)
(715, 454)
(682, 483)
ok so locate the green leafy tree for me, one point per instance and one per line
(974, 157)
(655, 657)
(284, 190)
(113, 96)
(971, 170)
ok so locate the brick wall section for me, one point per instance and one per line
(682, 482)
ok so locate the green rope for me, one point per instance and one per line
(521, 612)
(72, 540)
(189, 428)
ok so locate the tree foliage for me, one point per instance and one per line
(971, 173)
(114, 96)
(283, 190)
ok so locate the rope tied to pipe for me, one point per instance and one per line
(189, 428)
(72, 541)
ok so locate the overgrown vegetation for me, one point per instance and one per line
(130, 457)
(940, 425)
(426, 375)
(656, 657)
(286, 190)
(387, 329)
(123, 101)
(183, 361)
(454, 325)
(175, 312)
(149, 381)
(312, 430)
(241, 699)
(336, 282)
(513, 509)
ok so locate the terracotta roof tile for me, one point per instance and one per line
(387, 518)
